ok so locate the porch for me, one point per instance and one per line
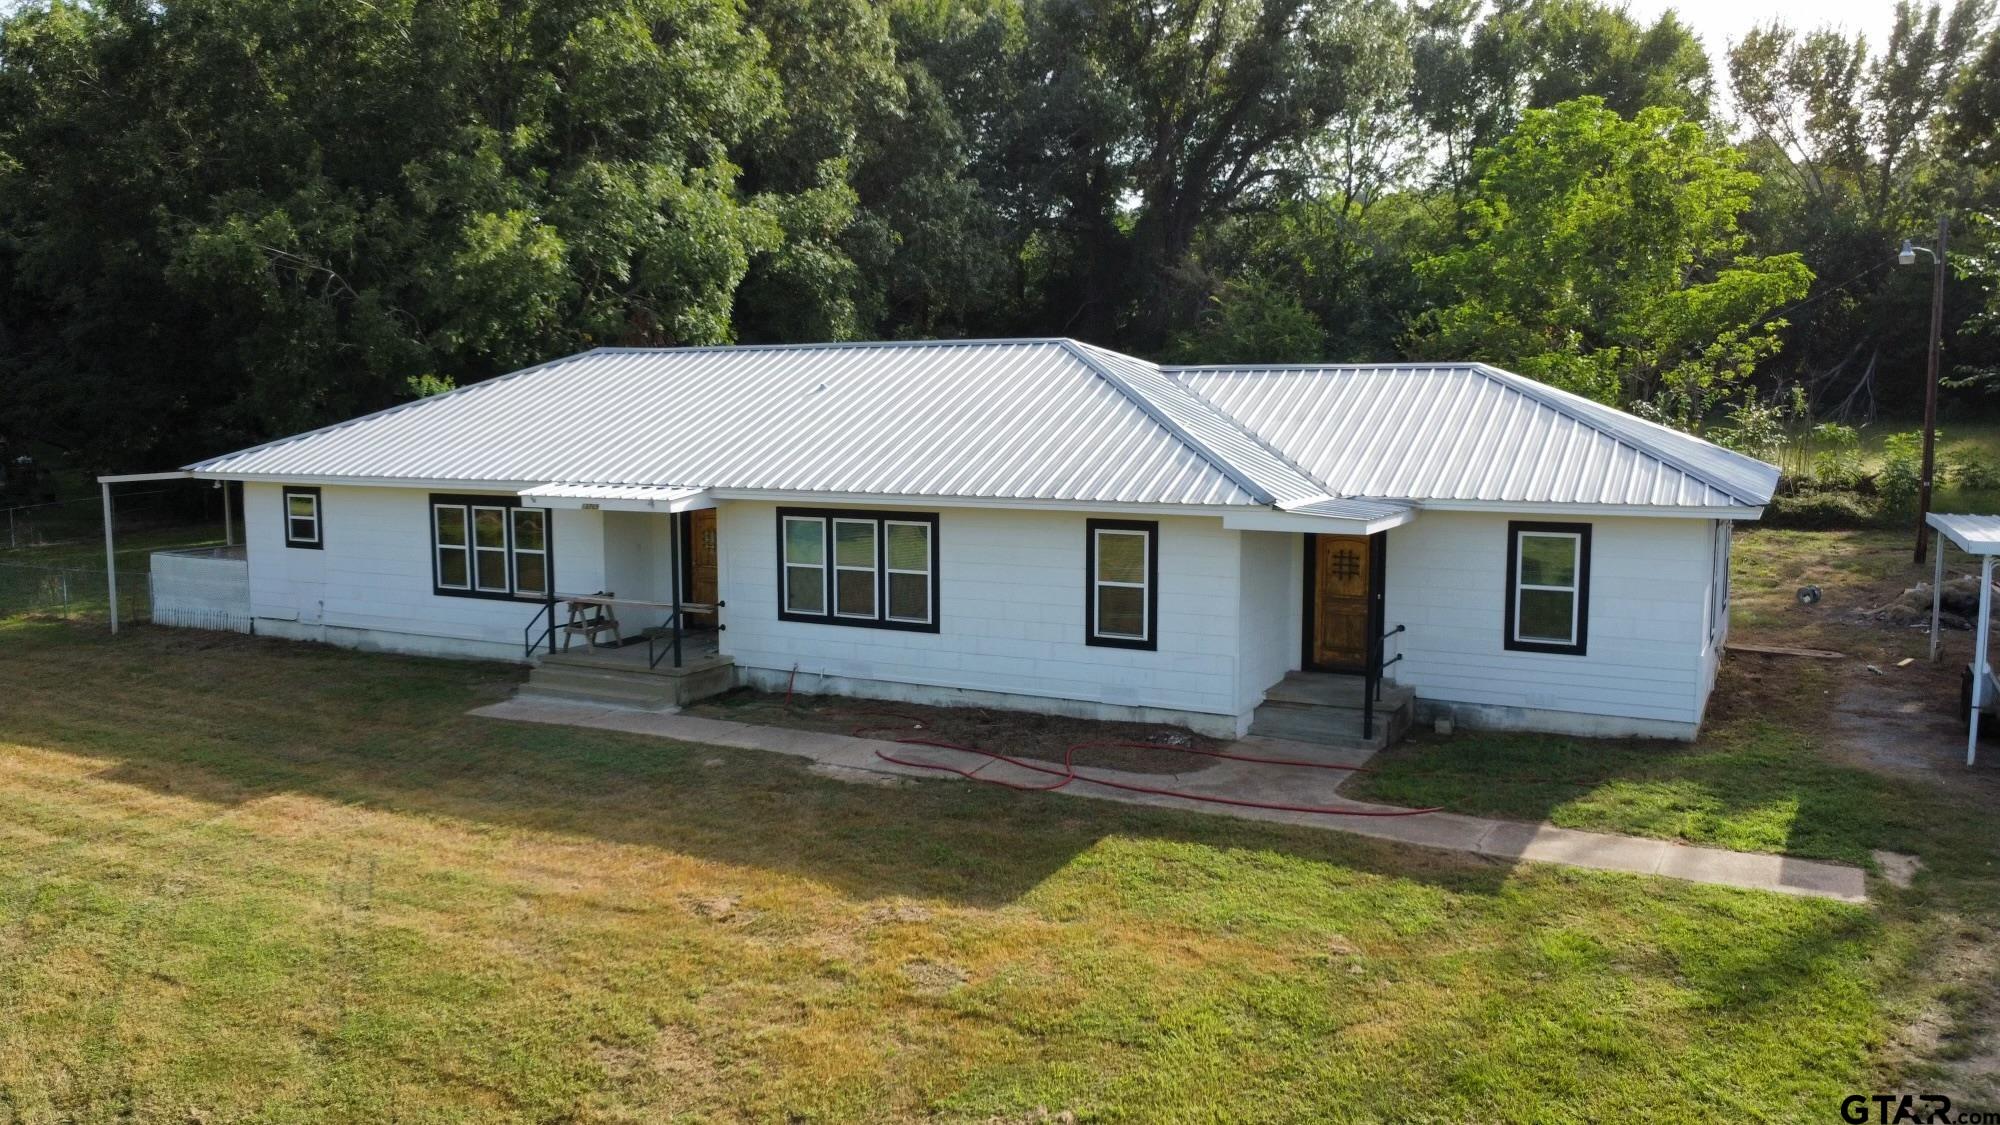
(642, 672)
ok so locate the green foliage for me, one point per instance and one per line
(1822, 511)
(226, 220)
(1834, 456)
(1969, 467)
(1252, 321)
(1603, 255)
(1902, 470)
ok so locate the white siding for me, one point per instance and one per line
(373, 577)
(1649, 579)
(1269, 629)
(1011, 606)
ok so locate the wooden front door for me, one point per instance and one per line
(701, 562)
(1343, 581)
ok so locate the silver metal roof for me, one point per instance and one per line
(1027, 420)
(1031, 420)
(1975, 535)
(1469, 432)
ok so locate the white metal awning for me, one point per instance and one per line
(1979, 536)
(619, 497)
(1330, 515)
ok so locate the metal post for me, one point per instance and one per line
(228, 517)
(1931, 389)
(1937, 600)
(674, 554)
(110, 559)
(11, 541)
(1979, 655)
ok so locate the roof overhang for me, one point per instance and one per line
(1269, 520)
(618, 497)
(1649, 511)
(123, 478)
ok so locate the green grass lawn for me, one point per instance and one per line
(250, 879)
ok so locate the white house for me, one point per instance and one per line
(1039, 524)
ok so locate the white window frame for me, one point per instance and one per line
(468, 509)
(515, 551)
(1574, 589)
(1718, 627)
(1144, 585)
(439, 546)
(925, 573)
(824, 565)
(875, 541)
(506, 541)
(313, 540)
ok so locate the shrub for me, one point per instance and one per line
(1835, 461)
(1968, 467)
(1902, 468)
(1823, 511)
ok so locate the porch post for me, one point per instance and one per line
(674, 553)
(110, 557)
(228, 516)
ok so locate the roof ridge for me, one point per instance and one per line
(1083, 352)
(1250, 433)
(545, 365)
(1567, 404)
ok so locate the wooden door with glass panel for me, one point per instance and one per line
(700, 555)
(1342, 580)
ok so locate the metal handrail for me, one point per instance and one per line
(1371, 681)
(530, 642)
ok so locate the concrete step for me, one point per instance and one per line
(1329, 709)
(1327, 726)
(1324, 690)
(639, 686)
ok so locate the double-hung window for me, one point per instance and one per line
(489, 547)
(874, 569)
(1122, 566)
(302, 519)
(1548, 587)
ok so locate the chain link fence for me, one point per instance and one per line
(72, 592)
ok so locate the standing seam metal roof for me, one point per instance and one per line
(1470, 432)
(1040, 420)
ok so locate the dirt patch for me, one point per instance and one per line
(934, 978)
(1154, 748)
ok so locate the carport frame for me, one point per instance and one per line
(110, 549)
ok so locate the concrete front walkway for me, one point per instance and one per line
(837, 754)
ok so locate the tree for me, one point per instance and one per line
(1603, 255)
(233, 220)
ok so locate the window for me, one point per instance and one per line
(854, 568)
(490, 547)
(1718, 625)
(1123, 566)
(302, 528)
(872, 569)
(1548, 587)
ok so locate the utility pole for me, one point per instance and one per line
(1908, 256)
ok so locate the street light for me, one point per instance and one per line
(1907, 256)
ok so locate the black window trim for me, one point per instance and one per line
(468, 501)
(1515, 529)
(1151, 528)
(881, 518)
(318, 542)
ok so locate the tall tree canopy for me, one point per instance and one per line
(224, 220)
(1603, 255)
